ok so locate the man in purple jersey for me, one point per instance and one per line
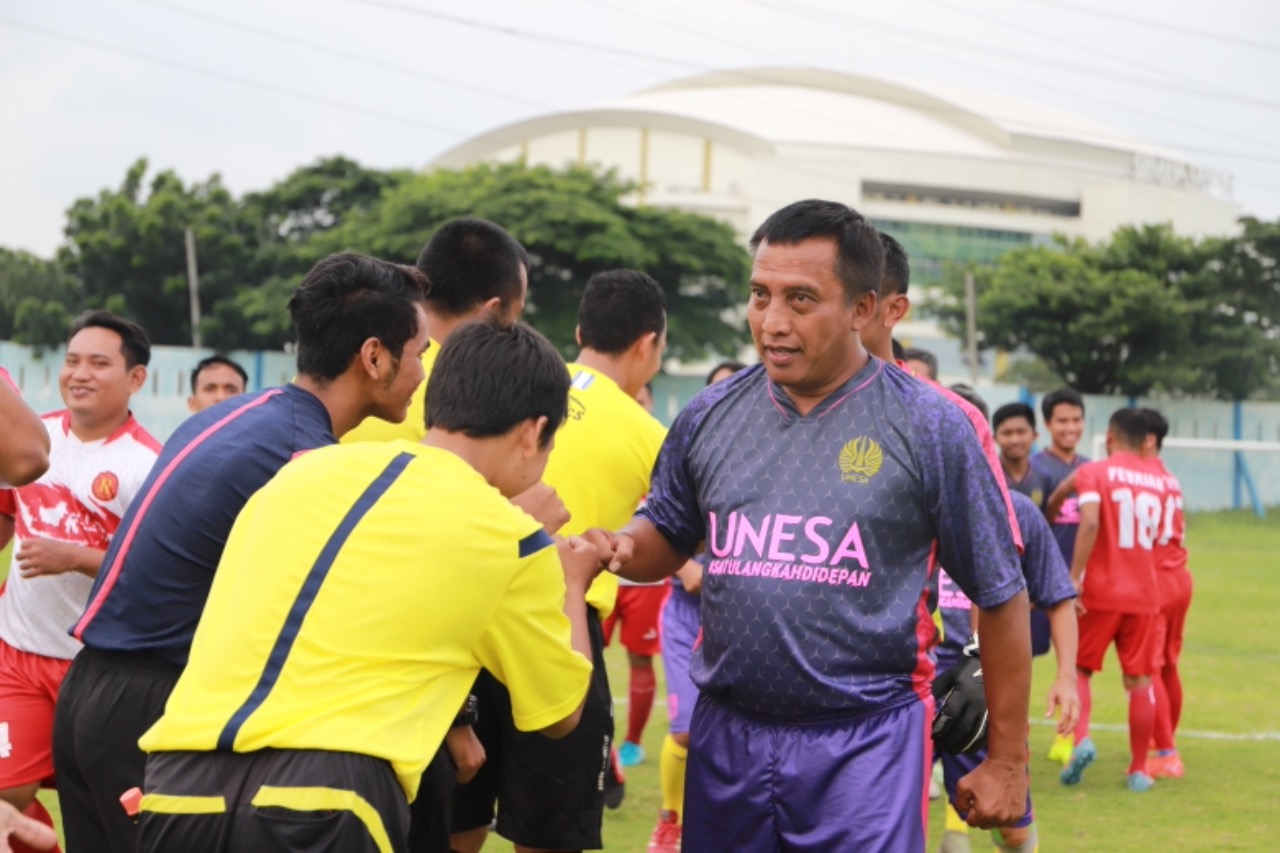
(1063, 412)
(825, 486)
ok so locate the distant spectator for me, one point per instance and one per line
(921, 362)
(645, 397)
(215, 379)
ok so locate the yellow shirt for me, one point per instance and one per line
(360, 592)
(601, 463)
(414, 427)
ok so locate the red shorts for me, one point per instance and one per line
(1175, 601)
(28, 690)
(638, 609)
(1135, 637)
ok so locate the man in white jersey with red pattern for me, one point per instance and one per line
(63, 522)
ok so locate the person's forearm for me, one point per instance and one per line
(24, 446)
(575, 609)
(1086, 538)
(1063, 633)
(1005, 635)
(653, 558)
(88, 560)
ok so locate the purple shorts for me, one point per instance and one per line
(681, 620)
(956, 767)
(854, 784)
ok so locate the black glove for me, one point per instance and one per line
(960, 723)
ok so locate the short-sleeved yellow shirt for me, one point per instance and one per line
(360, 592)
(414, 427)
(601, 463)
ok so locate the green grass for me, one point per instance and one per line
(1230, 799)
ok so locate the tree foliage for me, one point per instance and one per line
(1146, 312)
(125, 249)
(574, 222)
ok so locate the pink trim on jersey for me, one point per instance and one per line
(114, 572)
(773, 399)
(870, 379)
(130, 427)
(926, 633)
(988, 442)
(4, 375)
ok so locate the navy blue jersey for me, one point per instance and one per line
(1053, 471)
(156, 575)
(822, 531)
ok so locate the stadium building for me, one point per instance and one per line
(955, 174)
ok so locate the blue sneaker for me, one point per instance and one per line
(630, 754)
(1081, 757)
(1140, 782)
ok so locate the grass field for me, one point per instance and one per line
(1230, 739)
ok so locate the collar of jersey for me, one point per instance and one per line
(852, 385)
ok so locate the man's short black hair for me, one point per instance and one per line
(899, 351)
(134, 343)
(965, 392)
(1013, 410)
(1130, 425)
(618, 308)
(346, 299)
(210, 362)
(897, 270)
(1051, 401)
(470, 261)
(490, 378)
(731, 365)
(859, 251)
(1157, 425)
(930, 360)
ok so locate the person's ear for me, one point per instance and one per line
(864, 306)
(531, 435)
(896, 310)
(577, 335)
(137, 378)
(375, 359)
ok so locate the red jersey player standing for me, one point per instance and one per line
(1121, 501)
(1174, 582)
(62, 523)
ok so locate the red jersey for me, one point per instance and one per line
(1171, 549)
(1130, 491)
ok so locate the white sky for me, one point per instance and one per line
(252, 90)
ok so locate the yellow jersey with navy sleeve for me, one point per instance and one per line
(359, 594)
(414, 427)
(601, 463)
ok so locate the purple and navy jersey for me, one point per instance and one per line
(823, 531)
(155, 577)
(1054, 471)
(1045, 572)
(1035, 485)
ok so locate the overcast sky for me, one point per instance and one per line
(254, 88)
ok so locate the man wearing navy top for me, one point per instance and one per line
(827, 487)
(361, 334)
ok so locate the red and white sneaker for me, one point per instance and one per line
(666, 835)
(1165, 766)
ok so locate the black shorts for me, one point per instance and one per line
(429, 826)
(107, 701)
(549, 793)
(304, 801)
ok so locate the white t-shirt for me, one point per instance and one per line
(80, 500)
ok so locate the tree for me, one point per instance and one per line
(35, 299)
(574, 222)
(128, 251)
(1147, 311)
